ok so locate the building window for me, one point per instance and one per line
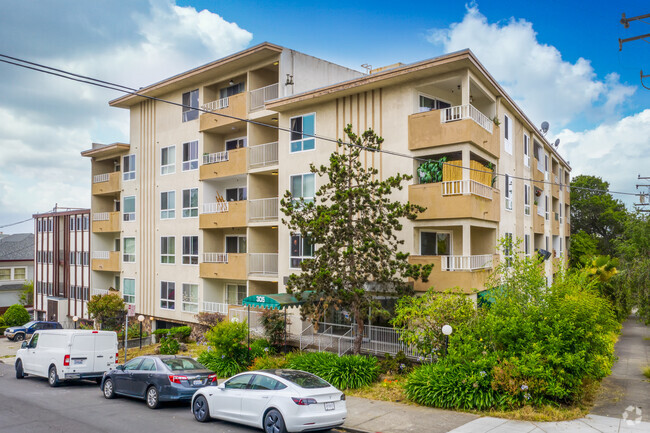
(38, 225)
(128, 209)
(129, 167)
(526, 199)
(302, 185)
(235, 294)
(526, 150)
(527, 245)
(190, 105)
(301, 126)
(507, 249)
(232, 90)
(508, 190)
(190, 298)
(49, 224)
(190, 155)
(429, 104)
(73, 258)
(545, 166)
(190, 203)
(235, 244)
(128, 291)
(236, 143)
(85, 257)
(301, 248)
(507, 134)
(86, 293)
(86, 219)
(190, 250)
(546, 207)
(168, 205)
(50, 257)
(129, 250)
(168, 160)
(79, 219)
(236, 194)
(435, 243)
(167, 295)
(168, 250)
(5, 274)
(72, 224)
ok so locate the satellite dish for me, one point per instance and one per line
(545, 126)
(557, 143)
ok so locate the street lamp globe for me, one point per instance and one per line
(75, 318)
(447, 330)
(140, 318)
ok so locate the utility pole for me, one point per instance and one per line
(644, 197)
(626, 23)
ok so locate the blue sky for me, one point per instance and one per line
(559, 60)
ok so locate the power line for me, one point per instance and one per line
(15, 224)
(136, 92)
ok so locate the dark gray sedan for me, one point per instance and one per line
(157, 378)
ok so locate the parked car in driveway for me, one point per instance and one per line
(158, 378)
(277, 401)
(67, 354)
(20, 333)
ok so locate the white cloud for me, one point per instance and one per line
(534, 74)
(616, 152)
(47, 121)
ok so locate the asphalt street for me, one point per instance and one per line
(30, 405)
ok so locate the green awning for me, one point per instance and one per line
(276, 301)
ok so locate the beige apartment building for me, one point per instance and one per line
(185, 217)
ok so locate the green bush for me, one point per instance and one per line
(2, 321)
(399, 364)
(16, 315)
(169, 346)
(274, 327)
(220, 364)
(268, 363)
(160, 332)
(134, 331)
(260, 348)
(230, 339)
(181, 333)
(343, 372)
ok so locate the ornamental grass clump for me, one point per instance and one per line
(343, 372)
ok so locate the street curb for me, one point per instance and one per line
(353, 430)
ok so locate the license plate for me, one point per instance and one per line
(77, 361)
(197, 382)
(329, 406)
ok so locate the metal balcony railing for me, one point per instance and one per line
(467, 111)
(259, 97)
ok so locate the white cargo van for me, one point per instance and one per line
(65, 354)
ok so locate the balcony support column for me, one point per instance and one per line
(464, 88)
(465, 172)
(467, 240)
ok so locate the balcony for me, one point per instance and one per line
(538, 220)
(539, 175)
(555, 187)
(107, 183)
(453, 125)
(555, 227)
(263, 155)
(567, 194)
(456, 199)
(223, 164)
(214, 307)
(100, 292)
(467, 272)
(106, 222)
(263, 210)
(223, 214)
(224, 266)
(108, 261)
(233, 106)
(263, 264)
(259, 97)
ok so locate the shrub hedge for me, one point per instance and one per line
(343, 372)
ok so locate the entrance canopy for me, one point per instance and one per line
(276, 301)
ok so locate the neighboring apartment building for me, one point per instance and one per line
(16, 267)
(186, 216)
(62, 265)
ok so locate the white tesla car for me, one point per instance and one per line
(277, 401)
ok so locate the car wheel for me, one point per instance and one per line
(152, 398)
(19, 370)
(201, 409)
(52, 377)
(109, 388)
(274, 423)
(19, 337)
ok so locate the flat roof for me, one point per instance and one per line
(99, 150)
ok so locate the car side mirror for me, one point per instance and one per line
(24, 345)
(221, 386)
(119, 367)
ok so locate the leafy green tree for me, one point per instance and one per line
(109, 310)
(354, 222)
(420, 319)
(582, 248)
(27, 294)
(16, 315)
(596, 213)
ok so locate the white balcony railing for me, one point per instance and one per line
(101, 216)
(98, 178)
(211, 158)
(263, 263)
(263, 155)
(215, 105)
(468, 111)
(103, 255)
(94, 292)
(540, 166)
(215, 257)
(466, 263)
(264, 209)
(458, 187)
(215, 307)
(218, 207)
(259, 97)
